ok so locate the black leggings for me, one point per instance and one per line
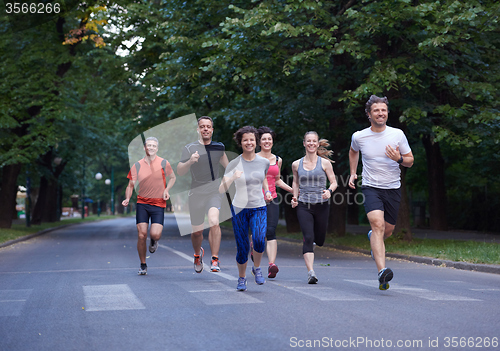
(273, 213)
(313, 220)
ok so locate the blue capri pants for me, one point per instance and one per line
(256, 220)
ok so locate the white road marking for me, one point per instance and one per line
(206, 268)
(217, 293)
(321, 293)
(110, 298)
(12, 301)
(418, 292)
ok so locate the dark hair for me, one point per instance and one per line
(243, 130)
(374, 99)
(206, 117)
(266, 130)
(322, 149)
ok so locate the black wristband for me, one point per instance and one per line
(400, 161)
(331, 192)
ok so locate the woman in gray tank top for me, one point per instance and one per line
(313, 206)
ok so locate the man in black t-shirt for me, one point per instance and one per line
(202, 158)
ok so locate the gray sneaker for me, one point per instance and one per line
(143, 270)
(153, 245)
(311, 278)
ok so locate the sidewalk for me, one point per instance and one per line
(430, 234)
(437, 234)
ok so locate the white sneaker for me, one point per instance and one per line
(143, 270)
(198, 261)
(311, 278)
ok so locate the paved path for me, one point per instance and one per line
(77, 288)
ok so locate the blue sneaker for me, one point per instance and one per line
(371, 252)
(259, 278)
(384, 276)
(242, 284)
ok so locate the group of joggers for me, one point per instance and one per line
(255, 204)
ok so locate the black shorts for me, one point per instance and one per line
(199, 204)
(143, 212)
(386, 200)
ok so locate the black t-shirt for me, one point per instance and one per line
(205, 172)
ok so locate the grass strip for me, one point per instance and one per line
(454, 250)
(20, 230)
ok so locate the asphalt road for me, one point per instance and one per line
(77, 288)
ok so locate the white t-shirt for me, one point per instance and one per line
(379, 171)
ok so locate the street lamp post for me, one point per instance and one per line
(112, 190)
(98, 176)
(83, 192)
(108, 182)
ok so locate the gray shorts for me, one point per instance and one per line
(199, 204)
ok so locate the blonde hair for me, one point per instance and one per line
(322, 149)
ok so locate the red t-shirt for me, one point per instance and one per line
(150, 181)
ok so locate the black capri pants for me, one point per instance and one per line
(313, 220)
(273, 213)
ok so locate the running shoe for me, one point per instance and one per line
(369, 235)
(384, 276)
(215, 264)
(259, 278)
(143, 270)
(311, 278)
(242, 284)
(153, 245)
(198, 261)
(272, 270)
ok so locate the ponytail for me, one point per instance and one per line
(323, 151)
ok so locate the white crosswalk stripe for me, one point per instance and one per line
(110, 298)
(322, 293)
(213, 292)
(12, 301)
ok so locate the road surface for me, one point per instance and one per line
(77, 288)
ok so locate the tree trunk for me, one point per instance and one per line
(8, 194)
(292, 223)
(437, 189)
(352, 208)
(338, 207)
(50, 209)
(38, 209)
(403, 221)
(46, 209)
(338, 211)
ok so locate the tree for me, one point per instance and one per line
(299, 65)
(57, 94)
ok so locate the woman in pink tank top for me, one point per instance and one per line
(266, 142)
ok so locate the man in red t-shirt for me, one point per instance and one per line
(150, 174)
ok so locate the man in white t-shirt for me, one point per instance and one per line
(384, 149)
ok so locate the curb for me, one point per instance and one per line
(30, 236)
(476, 267)
(45, 231)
